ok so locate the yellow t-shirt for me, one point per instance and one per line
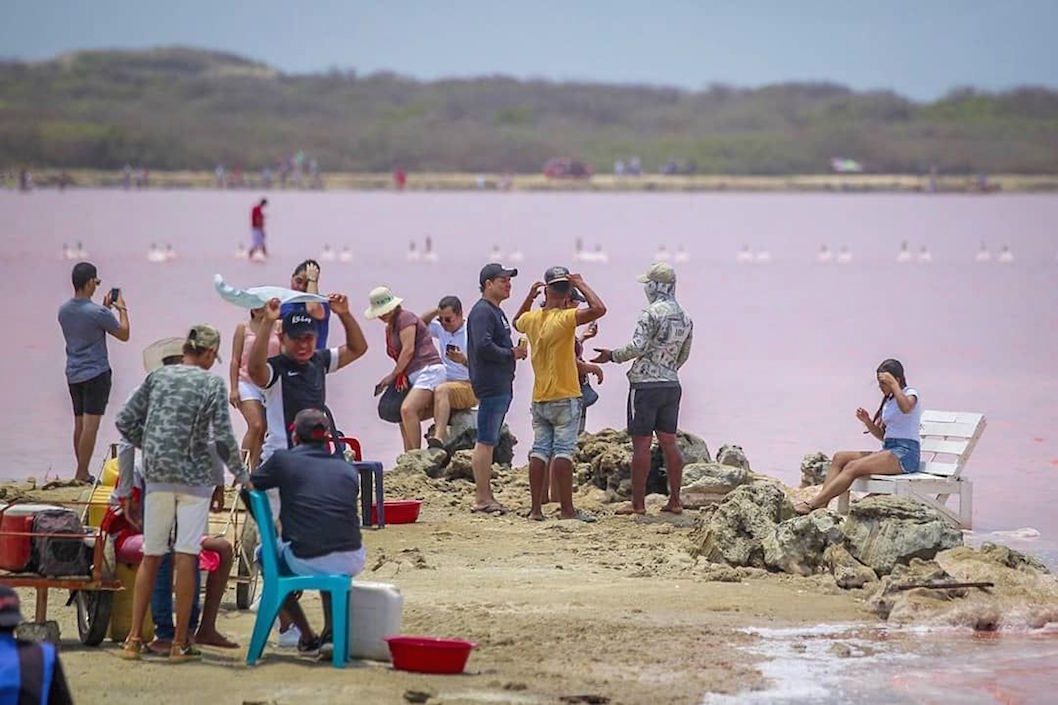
(551, 333)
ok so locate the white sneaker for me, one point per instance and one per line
(290, 638)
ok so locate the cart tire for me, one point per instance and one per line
(94, 606)
(246, 587)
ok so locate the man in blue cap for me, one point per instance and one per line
(29, 672)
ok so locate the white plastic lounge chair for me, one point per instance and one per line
(948, 438)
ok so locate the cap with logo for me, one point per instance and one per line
(203, 337)
(10, 614)
(556, 274)
(493, 270)
(298, 324)
(382, 302)
(660, 272)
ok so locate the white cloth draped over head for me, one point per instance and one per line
(258, 296)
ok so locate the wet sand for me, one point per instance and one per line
(617, 609)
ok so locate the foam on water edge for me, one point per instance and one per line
(917, 664)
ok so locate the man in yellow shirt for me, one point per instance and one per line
(556, 386)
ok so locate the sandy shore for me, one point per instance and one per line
(456, 181)
(617, 609)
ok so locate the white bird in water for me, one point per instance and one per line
(983, 255)
(681, 255)
(328, 254)
(744, 255)
(844, 256)
(662, 254)
(412, 254)
(240, 251)
(924, 257)
(516, 256)
(763, 257)
(170, 253)
(156, 254)
(825, 255)
(1005, 255)
(905, 253)
(428, 253)
(578, 251)
(495, 255)
(346, 255)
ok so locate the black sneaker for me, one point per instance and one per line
(326, 646)
(309, 648)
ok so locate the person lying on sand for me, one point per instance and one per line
(896, 424)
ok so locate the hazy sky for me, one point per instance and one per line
(920, 48)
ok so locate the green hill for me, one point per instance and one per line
(181, 108)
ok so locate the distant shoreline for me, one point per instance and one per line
(455, 181)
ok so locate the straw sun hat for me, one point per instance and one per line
(382, 302)
(156, 352)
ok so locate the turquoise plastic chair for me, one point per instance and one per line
(277, 587)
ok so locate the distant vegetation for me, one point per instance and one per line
(181, 108)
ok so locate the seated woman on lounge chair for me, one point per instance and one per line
(896, 424)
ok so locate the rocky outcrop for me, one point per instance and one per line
(609, 455)
(884, 531)
(814, 468)
(463, 434)
(427, 461)
(848, 572)
(735, 530)
(705, 484)
(798, 545)
(732, 455)
(693, 449)
(459, 467)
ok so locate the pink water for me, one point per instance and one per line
(784, 352)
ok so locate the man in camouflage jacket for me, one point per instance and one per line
(659, 347)
(170, 418)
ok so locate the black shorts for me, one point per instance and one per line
(655, 408)
(91, 396)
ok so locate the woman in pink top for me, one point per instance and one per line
(417, 363)
(246, 396)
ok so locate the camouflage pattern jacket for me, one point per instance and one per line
(170, 417)
(662, 341)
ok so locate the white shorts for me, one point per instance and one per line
(428, 378)
(248, 391)
(162, 510)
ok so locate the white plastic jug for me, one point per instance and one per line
(374, 613)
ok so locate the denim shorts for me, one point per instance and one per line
(555, 428)
(491, 411)
(906, 451)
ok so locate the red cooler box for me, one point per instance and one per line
(15, 551)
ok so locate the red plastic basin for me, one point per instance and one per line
(399, 511)
(427, 654)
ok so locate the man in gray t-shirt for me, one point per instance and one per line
(85, 325)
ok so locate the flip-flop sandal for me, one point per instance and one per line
(497, 509)
(581, 515)
(435, 442)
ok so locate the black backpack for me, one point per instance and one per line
(54, 556)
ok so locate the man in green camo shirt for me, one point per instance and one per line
(172, 417)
